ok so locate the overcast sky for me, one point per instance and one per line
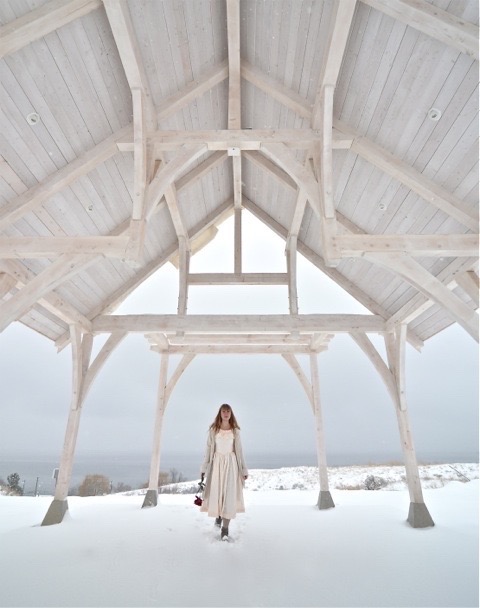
(271, 407)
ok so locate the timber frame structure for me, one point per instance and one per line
(131, 129)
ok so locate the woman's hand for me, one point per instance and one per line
(245, 477)
(202, 477)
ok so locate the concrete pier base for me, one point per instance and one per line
(56, 512)
(325, 501)
(418, 515)
(151, 499)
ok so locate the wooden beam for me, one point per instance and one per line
(7, 283)
(56, 305)
(247, 278)
(291, 253)
(468, 281)
(233, 42)
(192, 91)
(58, 272)
(416, 245)
(42, 21)
(219, 349)
(413, 179)
(433, 21)
(283, 157)
(139, 154)
(122, 28)
(176, 215)
(412, 272)
(323, 162)
(165, 340)
(264, 163)
(42, 192)
(115, 299)
(239, 323)
(332, 273)
(184, 254)
(49, 247)
(290, 99)
(214, 160)
(339, 30)
(302, 377)
(237, 240)
(241, 139)
(167, 174)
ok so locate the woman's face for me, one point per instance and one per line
(225, 413)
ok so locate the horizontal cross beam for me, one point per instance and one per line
(331, 323)
(240, 139)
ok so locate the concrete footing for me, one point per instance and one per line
(56, 512)
(418, 515)
(151, 499)
(325, 500)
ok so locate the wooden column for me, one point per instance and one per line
(418, 514)
(83, 376)
(325, 500)
(81, 350)
(151, 497)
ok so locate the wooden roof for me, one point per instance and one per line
(129, 128)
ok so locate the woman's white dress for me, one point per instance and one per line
(225, 498)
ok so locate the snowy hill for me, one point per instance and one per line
(341, 478)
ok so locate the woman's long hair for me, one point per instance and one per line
(216, 424)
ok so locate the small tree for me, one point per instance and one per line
(13, 483)
(94, 485)
(122, 487)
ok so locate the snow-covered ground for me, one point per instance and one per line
(284, 551)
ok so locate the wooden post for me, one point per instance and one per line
(83, 376)
(418, 514)
(81, 351)
(325, 500)
(151, 497)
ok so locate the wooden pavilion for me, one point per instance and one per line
(130, 129)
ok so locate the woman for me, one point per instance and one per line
(225, 470)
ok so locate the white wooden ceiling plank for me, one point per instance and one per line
(25, 138)
(85, 67)
(432, 21)
(78, 82)
(28, 99)
(58, 181)
(42, 21)
(415, 180)
(49, 78)
(109, 65)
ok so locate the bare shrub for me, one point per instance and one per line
(94, 485)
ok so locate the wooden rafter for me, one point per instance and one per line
(64, 177)
(41, 21)
(413, 179)
(432, 21)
